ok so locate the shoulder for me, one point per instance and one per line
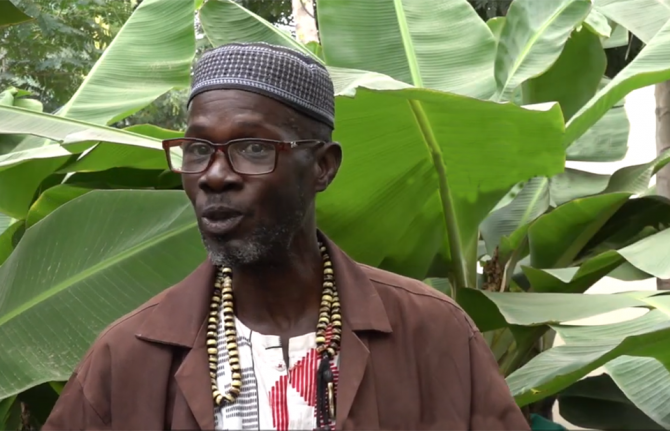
(413, 302)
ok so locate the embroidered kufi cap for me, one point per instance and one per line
(283, 74)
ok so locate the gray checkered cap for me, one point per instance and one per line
(283, 74)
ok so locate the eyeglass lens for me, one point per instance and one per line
(245, 156)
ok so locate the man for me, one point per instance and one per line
(279, 328)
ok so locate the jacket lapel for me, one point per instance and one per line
(194, 383)
(363, 311)
(180, 319)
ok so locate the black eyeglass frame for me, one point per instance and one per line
(223, 147)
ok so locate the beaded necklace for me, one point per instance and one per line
(326, 347)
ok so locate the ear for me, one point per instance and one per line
(327, 163)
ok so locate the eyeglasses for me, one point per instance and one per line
(246, 156)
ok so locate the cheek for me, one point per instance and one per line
(190, 185)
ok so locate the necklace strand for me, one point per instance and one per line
(328, 337)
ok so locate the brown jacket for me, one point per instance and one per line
(410, 359)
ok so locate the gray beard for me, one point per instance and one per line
(266, 244)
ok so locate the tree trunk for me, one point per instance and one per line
(662, 144)
(305, 22)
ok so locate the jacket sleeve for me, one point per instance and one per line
(73, 411)
(492, 405)
(84, 403)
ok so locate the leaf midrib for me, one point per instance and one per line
(104, 264)
(408, 44)
(520, 59)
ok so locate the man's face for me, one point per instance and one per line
(246, 219)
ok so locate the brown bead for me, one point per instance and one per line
(212, 374)
(234, 392)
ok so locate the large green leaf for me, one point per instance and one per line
(108, 156)
(85, 260)
(532, 39)
(22, 172)
(636, 219)
(605, 141)
(11, 15)
(150, 55)
(589, 347)
(68, 131)
(52, 199)
(226, 21)
(494, 310)
(643, 18)
(558, 237)
(436, 44)
(529, 204)
(573, 79)
(646, 382)
(5, 222)
(649, 67)
(572, 184)
(10, 238)
(422, 150)
(573, 279)
(597, 403)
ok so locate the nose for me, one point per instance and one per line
(220, 176)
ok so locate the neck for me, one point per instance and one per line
(283, 297)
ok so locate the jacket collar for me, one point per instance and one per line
(181, 314)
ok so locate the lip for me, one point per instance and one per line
(220, 221)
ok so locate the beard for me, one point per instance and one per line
(268, 243)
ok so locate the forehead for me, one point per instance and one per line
(221, 112)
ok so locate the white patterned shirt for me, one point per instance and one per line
(272, 397)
